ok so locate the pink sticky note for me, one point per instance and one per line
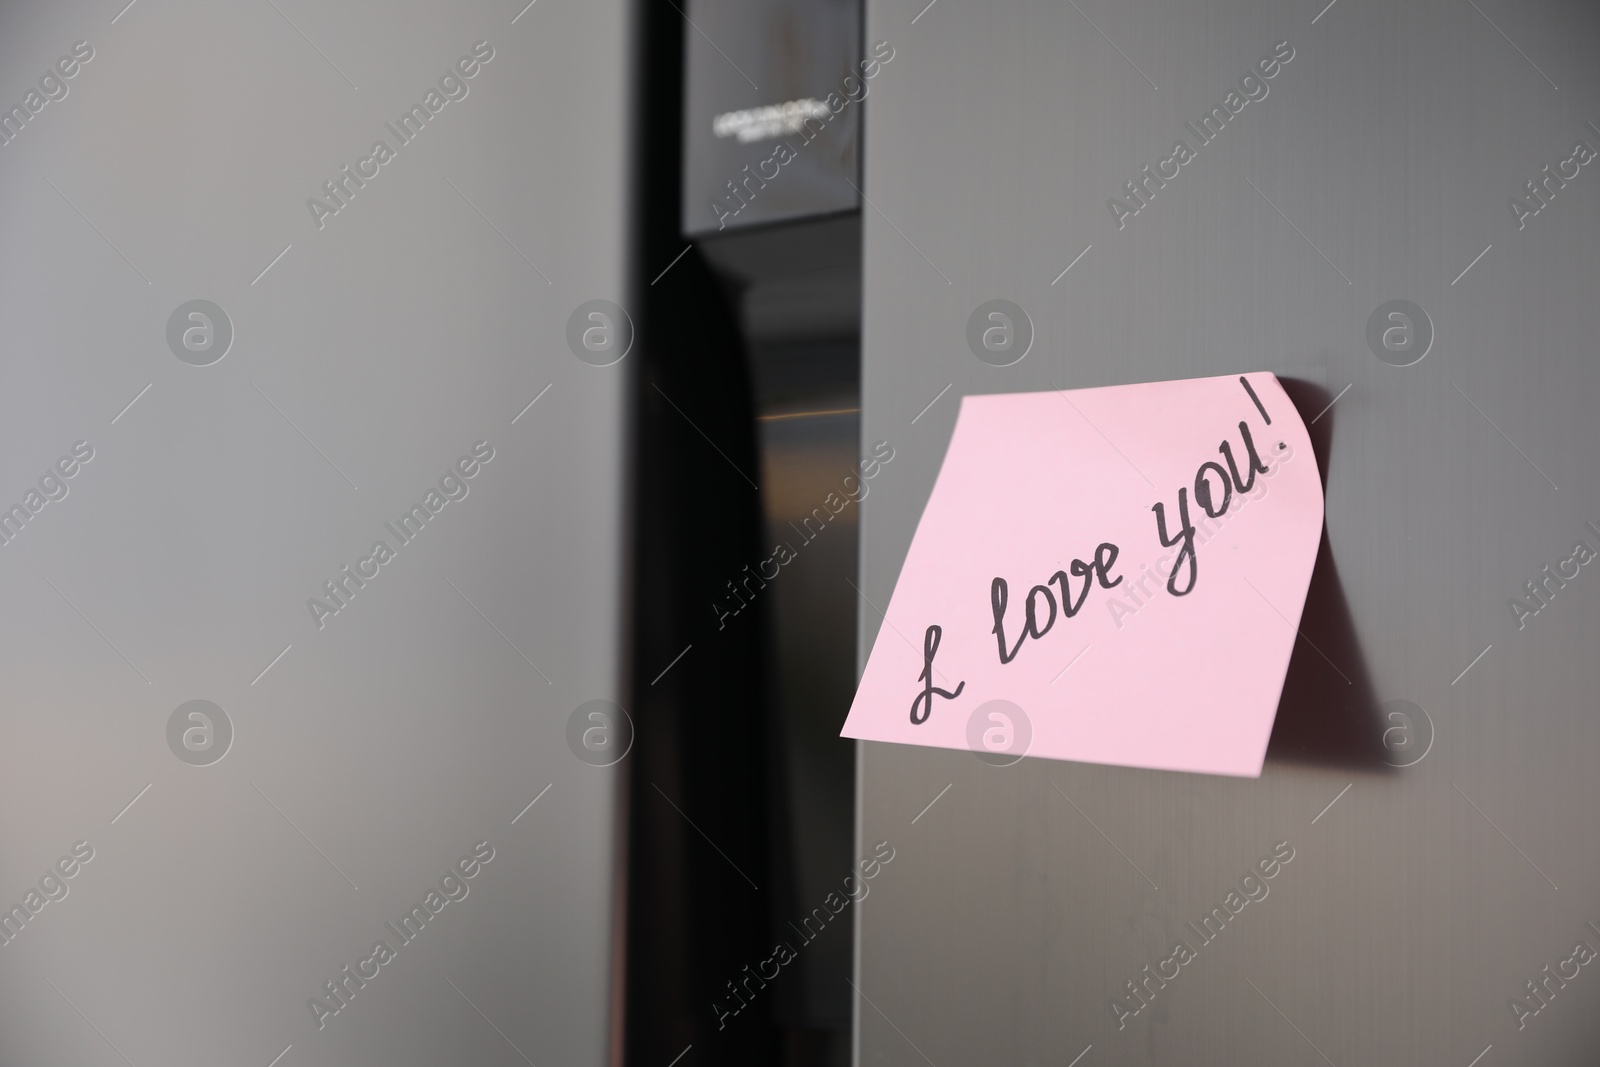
(1049, 515)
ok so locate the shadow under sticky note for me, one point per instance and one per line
(1110, 575)
(1329, 713)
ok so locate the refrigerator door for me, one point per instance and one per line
(306, 592)
(1394, 209)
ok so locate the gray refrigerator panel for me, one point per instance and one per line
(243, 348)
(1427, 803)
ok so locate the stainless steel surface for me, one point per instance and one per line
(368, 354)
(1420, 899)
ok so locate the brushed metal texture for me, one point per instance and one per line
(368, 353)
(1378, 166)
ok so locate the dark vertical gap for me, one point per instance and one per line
(694, 921)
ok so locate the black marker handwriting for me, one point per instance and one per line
(930, 647)
(1105, 556)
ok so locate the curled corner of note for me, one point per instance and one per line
(1110, 575)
